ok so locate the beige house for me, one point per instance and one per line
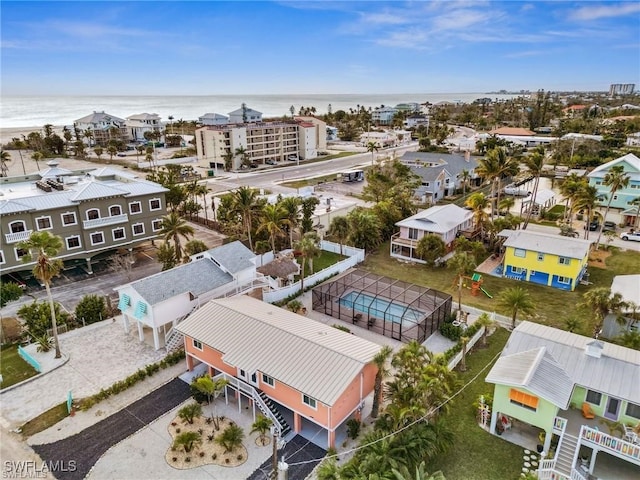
(92, 211)
(103, 127)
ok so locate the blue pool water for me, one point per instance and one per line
(380, 308)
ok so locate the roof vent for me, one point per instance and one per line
(594, 349)
(53, 163)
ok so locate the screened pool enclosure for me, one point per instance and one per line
(391, 307)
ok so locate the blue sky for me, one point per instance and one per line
(208, 48)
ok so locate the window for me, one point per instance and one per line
(1, 257)
(413, 233)
(517, 270)
(540, 257)
(593, 397)
(307, 400)
(20, 252)
(522, 399)
(197, 344)
(564, 261)
(73, 242)
(68, 218)
(115, 210)
(118, 233)
(154, 204)
(135, 207)
(43, 223)
(138, 228)
(519, 252)
(268, 380)
(633, 410)
(93, 214)
(18, 226)
(156, 225)
(97, 238)
(564, 280)
(615, 197)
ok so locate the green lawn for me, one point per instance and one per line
(45, 420)
(306, 182)
(326, 259)
(553, 306)
(13, 368)
(476, 454)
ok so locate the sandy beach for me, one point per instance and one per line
(6, 134)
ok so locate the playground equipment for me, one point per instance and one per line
(486, 293)
(476, 283)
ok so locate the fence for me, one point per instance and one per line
(29, 359)
(355, 256)
(500, 319)
(472, 341)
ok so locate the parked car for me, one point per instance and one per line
(631, 235)
(270, 162)
(292, 158)
(609, 227)
(593, 225)
(254, 165)
(516, 191)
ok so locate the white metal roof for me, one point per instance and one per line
(616, 372)
(548, 243)
(628, 286)
(438, 219)
(309, 356)
(629, 158)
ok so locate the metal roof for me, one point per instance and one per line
(630, 159)
(438, 219)
(94, 190)
(616, 372)
(548, 243)
(98, 117)
(309, 356)
(197, 277)
(628, 286)
(11, 206)
(233, 257)
(537, 371)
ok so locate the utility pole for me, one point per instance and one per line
(274, 460)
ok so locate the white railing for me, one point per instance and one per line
(18, 236)
(576, 475)
(613, 445)
(559, 425)
(472, 341)
(249, 390)
(101, 222)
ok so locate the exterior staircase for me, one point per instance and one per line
(565, 454)
(173, 340)
(286, 429)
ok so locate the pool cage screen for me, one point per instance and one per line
(391, 307)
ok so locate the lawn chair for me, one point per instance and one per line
(630, 435)
(357, 317)
(587, 411)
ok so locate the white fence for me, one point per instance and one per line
(500, 319)
(472, 341)
(355, 256)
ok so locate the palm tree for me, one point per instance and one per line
(506, 204)
(485, 321)
(111, 150)
(569, 189)
(98, 151)
(174, 227)
(516, 299)
(364, 229)
(430, 248)
(5, 159)
(463, 264)
(273, 220)
(478, 202)
(372, 147)
(244, 204)
(534, 162)
(190, 412)
(464, 176)
(44, 247)
(187, 440)
(420, 474)
(230, 438)
(88, 134)
(37, 156)
(139, 150)
(202, 190)
(586, 199)
(291, 206)
(616, 179)
(380, 361)
(495, 165)
(602, 302)
(228, 160)
(339, 230)
(463, 362)
(308, 248)
(261, 426)
(244, 156)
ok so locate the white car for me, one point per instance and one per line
(635, 236)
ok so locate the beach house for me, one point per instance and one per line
(445, 221)
(545, 259)
(623, 198)
(303, 374)
(98, 128)
(383, 115)
(628, 286)
(556, 392)
(141, 123)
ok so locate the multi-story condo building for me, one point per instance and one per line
(103, 127)
(625, 197)
(383, 115)
(138, 125)
(92, 211)
(262, 142)
(622, 88)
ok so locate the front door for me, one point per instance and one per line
(613, 405)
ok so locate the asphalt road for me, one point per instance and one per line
(593, 236)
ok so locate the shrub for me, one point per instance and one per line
(226, 460)
(200, 431)
(341, 327)
(353, 428)
(239, 457)
(450, 331)
(175, 459)
(214, 456)
(201, 454)
(178, 430)
(210, 437)
(91, 308)
(187, 459)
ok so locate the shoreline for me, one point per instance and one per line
(7, 133)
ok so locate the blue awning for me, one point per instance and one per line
(141, 309)
(125, 302)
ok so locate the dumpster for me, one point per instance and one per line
(210, 173)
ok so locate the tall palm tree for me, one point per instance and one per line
(291, 206)
(174, 227)
(586, 198)
(245, 204)
(494, 166)
(380, 360)
(464, 176)
(485, 321)
(602, 302)
(372, 147)
(273, 220)
(44, 247)
(111, 150)
(228, 160)
(242, 153)
(202, 190)
(261, 426)
(339, 229)
(37, 156)
(463, 264)
(516, 299)
(534, 162)
(616, 178)
(478, 203)
(5, 159)
(308, 248)
(98, 151)
(569, 189)
(88, 134)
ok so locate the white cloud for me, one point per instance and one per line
(605, 11)
(460, 19)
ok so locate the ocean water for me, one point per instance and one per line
(36, 111)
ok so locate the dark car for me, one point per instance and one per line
(609, 227)
(593, 225)
(254, 165)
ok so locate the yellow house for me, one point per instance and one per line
(551, 260)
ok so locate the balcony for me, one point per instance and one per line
(101, 222)
(18, 236)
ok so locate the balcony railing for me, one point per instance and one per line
(613, 445)
(18, 236)
(101, 222)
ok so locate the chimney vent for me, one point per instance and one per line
(594, 349)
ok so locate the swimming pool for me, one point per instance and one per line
(380, 308)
